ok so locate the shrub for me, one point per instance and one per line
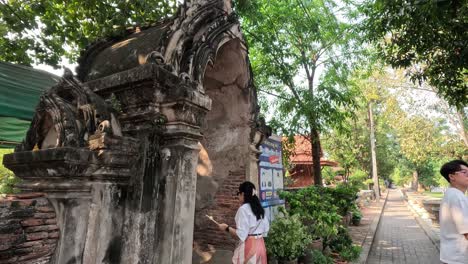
(351, 253)
(341, 241)
(357, 215)
(7, 178)
(343, 244)
(287, 238)
(316, 209)
(369, 182)
(319, 209)
(319, 258)
(357, 179)
(344, 197)
(328, 175)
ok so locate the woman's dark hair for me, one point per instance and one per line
(451, 167)
(247, 189)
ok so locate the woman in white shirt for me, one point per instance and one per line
(251, 227)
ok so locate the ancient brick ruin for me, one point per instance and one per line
(157, 129)
(28, 229)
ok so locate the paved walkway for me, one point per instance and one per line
(364, 233)
(399, 238)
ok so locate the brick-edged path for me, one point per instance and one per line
(399, 238)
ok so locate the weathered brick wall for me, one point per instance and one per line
(223, 210)
(28, 229)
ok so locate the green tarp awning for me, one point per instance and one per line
(20, 90)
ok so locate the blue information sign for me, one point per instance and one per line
(271, 175)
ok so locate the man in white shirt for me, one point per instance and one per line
(454, 214)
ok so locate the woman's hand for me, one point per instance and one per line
(222, 226)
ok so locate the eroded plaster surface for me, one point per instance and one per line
(135, 148)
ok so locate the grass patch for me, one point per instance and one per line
(434, 194)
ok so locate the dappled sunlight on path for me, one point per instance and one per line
(399, 238)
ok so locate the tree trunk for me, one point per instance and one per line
(415, 181)
(462, 132)
(315, 142)
(375, 177)
(314, 133)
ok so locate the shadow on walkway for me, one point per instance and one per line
(399, 238)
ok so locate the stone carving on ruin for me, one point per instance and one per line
(67, 115)
(129, 186)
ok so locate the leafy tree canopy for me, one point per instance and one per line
(290, 42)
(414, 142)
(411, 135)
(303, 52)
(42, 31)
(350, 146)
(427, 36)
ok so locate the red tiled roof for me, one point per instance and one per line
(302, 152)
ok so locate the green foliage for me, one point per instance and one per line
(387, 147)
(408, 139)
(44, 31)
(357, 215)
(434, 194)
(350, 145)
(417, 140)
(316, 209)
(319, 209)
(409, 142)
(288, 146)
(441, 181)
(427, 175)
(288, 41)
(328, 174)
(288, 238)
(368, 182)
(319, 258)
(401, 175)
(343, 244)
(341, 241)
(343, 196)
(7, 178)
(115, 103)
(351, 253)
(358, 179)
(428, 36)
